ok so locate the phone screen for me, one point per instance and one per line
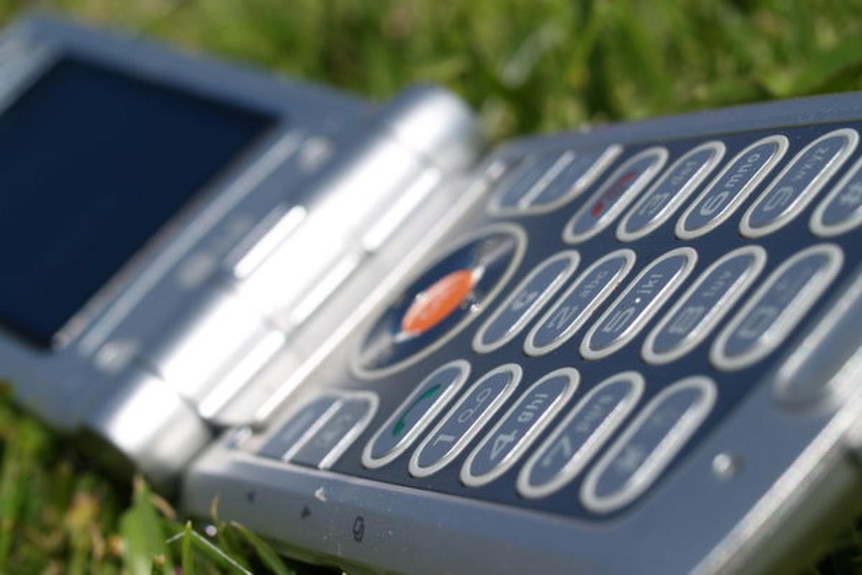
(93, 162)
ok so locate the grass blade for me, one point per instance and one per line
(143, 534)
(266, 554)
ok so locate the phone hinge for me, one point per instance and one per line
(145, 426)
(853, 439)
(384, 178)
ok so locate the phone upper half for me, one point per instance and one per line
(154, 186)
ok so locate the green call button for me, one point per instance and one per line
(415, 413)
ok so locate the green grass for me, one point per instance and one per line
(526, 66)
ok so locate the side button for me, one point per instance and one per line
(580, 435)
(415, 413)
(648, 445)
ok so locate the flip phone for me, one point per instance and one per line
(388, 348)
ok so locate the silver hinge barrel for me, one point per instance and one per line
(376, 182)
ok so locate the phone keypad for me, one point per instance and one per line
(336, 433)
(612, 348)
(600, 210)
(539, 185)
(528, 180)
(577, 439)
(723, 196)
(777, 307)
(319, 432)
(464, 420)
(415, 414)
(712, 296)
(662, 200)
(525, 301)
(577, 304)
(519, 427)
(648, 445)
(841, 210)
(298, 426)
(795, 187)
(638, 304)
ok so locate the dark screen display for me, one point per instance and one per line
(93, 162)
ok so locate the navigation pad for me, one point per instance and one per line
(441, 302)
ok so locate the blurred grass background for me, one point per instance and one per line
(526, 66)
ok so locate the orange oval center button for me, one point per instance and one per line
(433, 305)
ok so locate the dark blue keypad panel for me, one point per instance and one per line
(573, 309)
(638, 303)
(674, 187)
(506, 442)
(525, 301)
(529, 180)
(711, 297)
(721, 198)
(622, 291)
(648, 444)
(570, 181)
(796, 186)
(581, 434)
(615, 195)
(298, 426)
(465, 420)
(323, 444)
(841, 211)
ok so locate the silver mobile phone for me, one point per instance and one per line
(389, 350)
